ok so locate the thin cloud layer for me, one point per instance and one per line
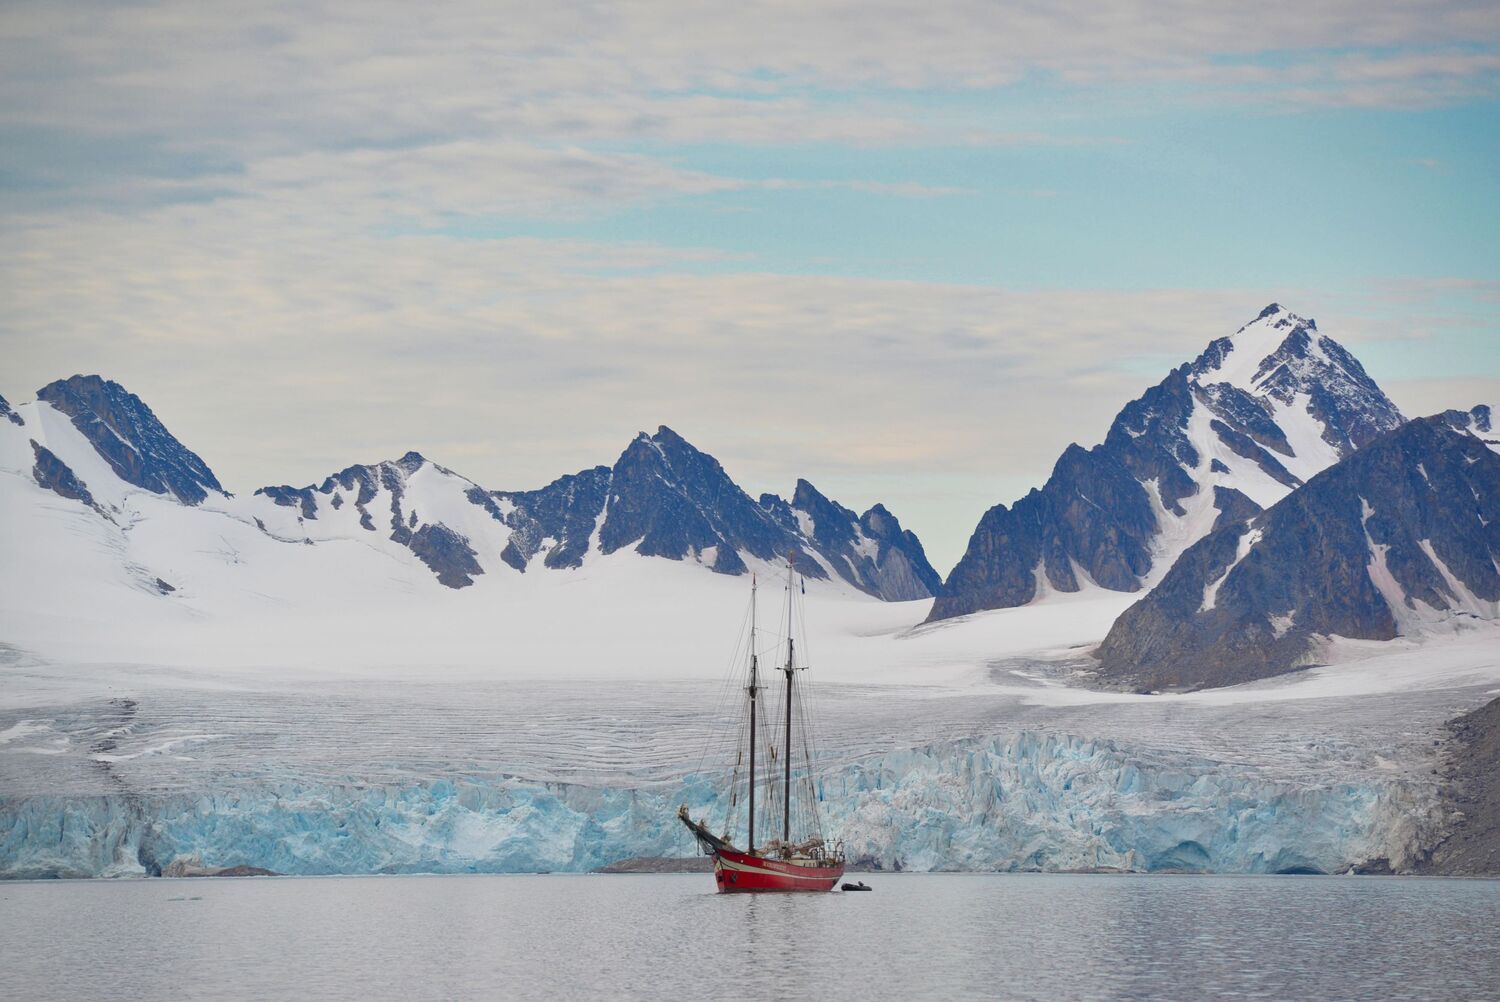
(321, 233)
(283, 352)
(453, 67)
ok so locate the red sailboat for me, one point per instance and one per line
(800, 859)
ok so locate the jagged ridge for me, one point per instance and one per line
(1243, 424)
(662, 498)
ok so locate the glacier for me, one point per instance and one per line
(1034, 802)
(963, 762)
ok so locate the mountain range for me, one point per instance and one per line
(89, 440)
(1263, 498)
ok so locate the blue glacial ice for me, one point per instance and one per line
(1025, 801)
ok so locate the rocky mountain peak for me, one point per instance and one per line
(1238, 358)
(662, 497)
(1278, 317)
(807, 498)
(128, 436)
(1280, 385)
(827, 523)
(1254, 416)
(667, 498)
(871, 551)
(805, 494)
(1478, 421)
(1282, 358)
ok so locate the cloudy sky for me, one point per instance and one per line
(908, 251)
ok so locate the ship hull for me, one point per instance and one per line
(737, 872)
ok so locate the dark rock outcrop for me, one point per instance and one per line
(665, 498)
(902, 571)
(565, 511)
(128, 436)
(1340, 393)
(1406, 529)
(9, 414)
(55, 475)
(1471, 792)
(447, 554)
(1477, 421)
(1091, 515)
(1233, 506)
(293, 497)
(1247, 447)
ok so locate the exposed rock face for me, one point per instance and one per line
(565, 512)
(1233, 506)
(128, 436)
(9, 414)
(1471, 773)
(1242, 425)
(901, 570)
(1401, 534)
(667, 499)
(55, 475)
(663, 497)
(1092, 518)
(447, 553)
(291, 497)
(1348, 404)
(1478, 421)
(871, 551)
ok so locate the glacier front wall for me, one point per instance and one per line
(1028, 802)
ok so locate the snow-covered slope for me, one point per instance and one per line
(1234, 431)
(447, 521)
(122, 545)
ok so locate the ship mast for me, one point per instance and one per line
(786, 761)
(753, 686)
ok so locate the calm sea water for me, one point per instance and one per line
(669, 936)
